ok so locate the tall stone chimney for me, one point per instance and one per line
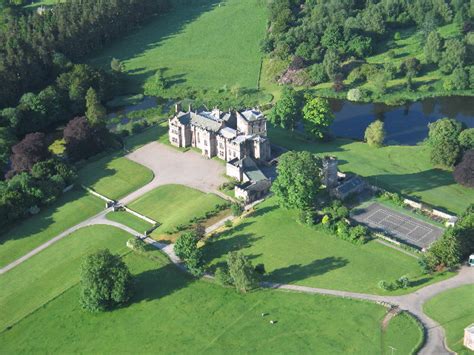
(330, 165)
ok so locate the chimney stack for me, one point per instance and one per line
(177, 107)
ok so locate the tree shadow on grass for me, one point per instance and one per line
(159, 283)
(221, 247)
(298, 272)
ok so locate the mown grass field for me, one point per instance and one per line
(129, 220)
(403, 169)
(405, 326)
(46, 275)
(196, 316)
(207, 45)
(172, 205)
(454, 310)
(298, 254)
(114, 177)
(70, 209)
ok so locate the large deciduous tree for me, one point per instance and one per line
(106, 281)
(82, 140)
(186, 248)
(317, 115)
(433, 46)
(28, 152)
(95, 112)
(466, 139)
(464, 171)
(298, 181)
(443, 139)
(454, 56)
(286, 111)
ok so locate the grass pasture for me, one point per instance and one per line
(454, 310)
(297, 254)
(197, 316)
(172, 205)
(70, 209)
(48, 274)
(129, 220)
(403, 169)
(403, 326)
(114, 177)
(207, 45)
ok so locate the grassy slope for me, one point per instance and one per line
(129, 220)
(170, 313)
(51, 272)
(172, 205)
(404, 169)
(71, 208)
(207, 45)
(114, 177)
(297, 254)
(454, 310)
(404, 327)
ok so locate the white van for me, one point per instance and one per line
(471, 260)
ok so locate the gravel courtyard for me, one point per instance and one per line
(171, 166)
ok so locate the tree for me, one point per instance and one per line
(331, 63)
(453, 56)
(317, 115)
(6, 141)
(186, 249)
(464, 231)
(459, 79)
(464, 171)
(433, 47)
(443, 139)
(318, 73)
(298, 181)
(28, 152)
(412, 66)
(445, 252)
(82, 141)
(354, 95)
(241, 271)
(380, 83)
(95, 112)
(157, 85)
(466, 139)
(106, 281)
(375, 134)
(285, 112)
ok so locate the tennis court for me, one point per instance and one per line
(400, 226)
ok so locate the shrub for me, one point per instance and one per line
(228, 223)
(466, 139)
(236, 209)
(375, 134)
(402, 282)
(136, 244)
(260, 269)
(326, 220)
(384, 285)
(222, 276)
(354, 95)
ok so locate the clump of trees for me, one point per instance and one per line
(375, 134)
(239, 272)
(298, 181)
(186, 248)
(106, 282)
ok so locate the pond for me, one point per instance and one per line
(407, 124)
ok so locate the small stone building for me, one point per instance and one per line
(469, 337)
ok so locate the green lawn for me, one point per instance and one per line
(403, 169)
(40, 279)
(207, 45)
(129, 220)
(402, 326)
(171, 313)
(114, 177)
(297, 254)
(71, 208)
(454, 310)
(172, 205)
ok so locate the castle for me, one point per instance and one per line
(238, 137)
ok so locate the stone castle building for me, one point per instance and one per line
(227, 135)
(238, 137)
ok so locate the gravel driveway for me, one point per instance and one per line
(171, 166)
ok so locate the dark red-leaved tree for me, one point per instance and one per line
(28, 152)
(82, 140)
(464, 171)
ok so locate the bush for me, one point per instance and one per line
(106, 281)
(228, 223)
(222, 276)
(260, 269)
(375, 134)
(136, 244)
(384, 285)
(236, 209)
(464, 171)
(355, 95)
(402, 282)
